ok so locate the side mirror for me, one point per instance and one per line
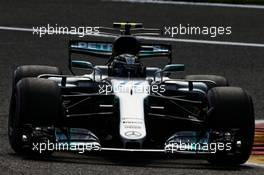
(85, 65)
(173, 68)
(170, 68)
(81, 64)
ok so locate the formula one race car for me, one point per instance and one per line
(127, 106)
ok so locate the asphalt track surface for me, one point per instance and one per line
(242, 65)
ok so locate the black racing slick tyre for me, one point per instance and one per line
(35, 102)
(33, 71)
(232, 108)
(219, 80)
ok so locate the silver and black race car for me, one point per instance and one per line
(125, 105)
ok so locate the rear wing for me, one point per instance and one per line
(105, 49)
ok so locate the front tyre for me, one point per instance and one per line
(232, 108)
(35, 102)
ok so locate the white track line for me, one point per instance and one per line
(192, 3)
(16, 29)
(259, 121)
(206, 42)
(254, 164)
(244, 44)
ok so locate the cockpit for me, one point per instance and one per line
(125, 61)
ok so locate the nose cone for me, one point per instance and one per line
(131, 94)
(132, 129)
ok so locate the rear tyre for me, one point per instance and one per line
(219, 80)
(36, 102)
(232, 108)
(33, 71)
